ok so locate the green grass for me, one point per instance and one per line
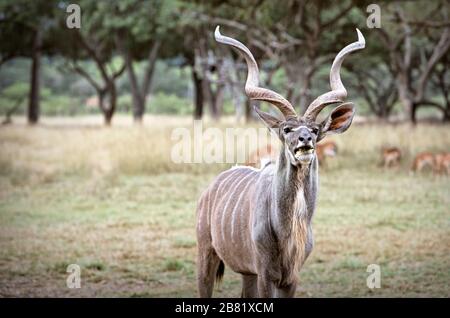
(132, 228)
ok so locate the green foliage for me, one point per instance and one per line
(60, 105)
(171, 265)
(169, 104)
(16, 70)
(125, 103)
(228, 108)
(13, 97)
(16, 91)
(282, 37)
(172, 79)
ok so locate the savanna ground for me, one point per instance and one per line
(110, 200)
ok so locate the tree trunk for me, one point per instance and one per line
(108, 107)
(33, 103)
(402, 84)
(248, 111)
(139, 93)
(138, 111)
(112, 103)
(217, 103)
(138, 103)
(107, 116)
(304, 97)
(413, 113)
(211, 97)
(446, 117)
(198, 95)
(137, 96)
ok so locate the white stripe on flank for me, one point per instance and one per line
(199, 216)
(208, 217)
(221, 183)
(230, 196)
(233, 213)
(228, 202)
(244, 167)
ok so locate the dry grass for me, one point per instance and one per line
(110, 200)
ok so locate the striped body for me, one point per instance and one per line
(252, 226)
(225, 210)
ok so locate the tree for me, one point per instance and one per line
(299, 36)
(440, 80)
(414, 58)
(377, 86)
(140, 29)
(94, 41)
(372, 77)
(32, 20)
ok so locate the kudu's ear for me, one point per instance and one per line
(338, 121)
(270, 121)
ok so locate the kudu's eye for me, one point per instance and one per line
(287, 130)
(315, 130)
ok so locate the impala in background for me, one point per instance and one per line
(327, 148)
(391, 156)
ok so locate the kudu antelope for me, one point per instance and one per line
(258, 222)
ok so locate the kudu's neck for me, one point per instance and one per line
(295, 190)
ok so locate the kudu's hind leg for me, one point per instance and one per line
(207, 266)
(249, 286)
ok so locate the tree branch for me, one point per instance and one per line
(438, 52)
(338, 16)
(153, 54)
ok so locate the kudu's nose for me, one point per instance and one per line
(305, 135)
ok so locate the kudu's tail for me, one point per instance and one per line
(220, 272)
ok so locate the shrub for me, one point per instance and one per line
(125, 103)
(169, 104)
(60, 105)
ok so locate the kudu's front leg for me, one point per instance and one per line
(287, 291)
(249, 286)
(266, 288)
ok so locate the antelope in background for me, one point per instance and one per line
(258, 222)
(262, 156)
(442, 162)
(328, 148)
(391, 156)
(422, 161)
(438, 163)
